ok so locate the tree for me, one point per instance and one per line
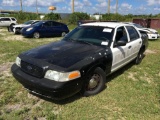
(74, 17)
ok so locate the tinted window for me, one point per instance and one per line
(5, 19)
(48, 24)
(133, 34)
(13, 19)
(56, 24)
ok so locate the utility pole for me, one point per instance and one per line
(36, 7)
(21, 5)
(72, 6)
(116, 6)
(108, 6)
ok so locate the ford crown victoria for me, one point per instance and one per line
(81, 61)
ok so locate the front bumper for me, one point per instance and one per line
(153, 36)
(17, 30)
(45, 87)
(26, 34)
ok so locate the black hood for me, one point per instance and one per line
(63, 53)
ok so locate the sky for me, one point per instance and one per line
(135, 7)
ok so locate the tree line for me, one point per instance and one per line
(74, 17)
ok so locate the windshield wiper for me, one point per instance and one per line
(69, 39)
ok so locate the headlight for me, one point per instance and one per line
(62, 77)
(18, 61)
(29, 29)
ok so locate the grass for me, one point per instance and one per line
(131, 93)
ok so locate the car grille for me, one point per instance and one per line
(32, 69)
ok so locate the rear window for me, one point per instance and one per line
(13, 19)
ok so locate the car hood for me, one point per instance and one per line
(21, 25)
(148, 29)
(152, 30)
(63, 53)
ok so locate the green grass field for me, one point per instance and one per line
(132, 93)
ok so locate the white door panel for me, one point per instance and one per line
(119, 57)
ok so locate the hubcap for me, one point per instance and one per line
(94, 81)
(63, 34)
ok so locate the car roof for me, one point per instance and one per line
(104, 24)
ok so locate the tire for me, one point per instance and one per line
(95, 83)
(139, 57)
(36, 35)
(10, 28)
(63, 34)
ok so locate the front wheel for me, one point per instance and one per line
(95, 82)
(36, 35)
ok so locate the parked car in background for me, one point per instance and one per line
(45, 29)
(80, 61)
(8, 22)
(17, 28)
(152, 33)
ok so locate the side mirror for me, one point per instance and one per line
(121, 43)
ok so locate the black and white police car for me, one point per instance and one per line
(80, 61)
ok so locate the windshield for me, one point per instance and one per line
(28, 22)
(91, 34)
(137, 25)
(38, 23)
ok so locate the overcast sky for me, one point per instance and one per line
(88, 6)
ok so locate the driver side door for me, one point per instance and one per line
(120, 56)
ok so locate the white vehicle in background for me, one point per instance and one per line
(17, 28)
(152, 33)
(8, 22)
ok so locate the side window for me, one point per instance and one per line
(13, 19)
(6, 19)
(47, 24)
(55, 24)
(121, 35)
(133, 34)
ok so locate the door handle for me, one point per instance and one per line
(129, 47)
(140, 42)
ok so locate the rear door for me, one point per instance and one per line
(135, 42)
(56, 28)
(5, 22)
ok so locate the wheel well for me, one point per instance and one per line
(143, 48)
(12, 24)
(90, 69)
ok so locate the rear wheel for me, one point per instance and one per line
(36, 35)
(63, 34)
(139, 57)
(95, 83)
(10, 28)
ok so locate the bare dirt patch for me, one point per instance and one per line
(131, 76)
(150, 51)
(14, 37)
(5, 69)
